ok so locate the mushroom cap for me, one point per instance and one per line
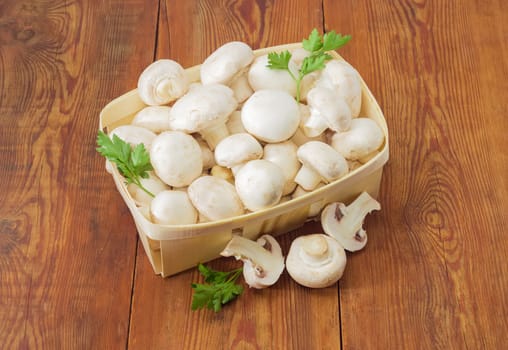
(363, 137)
(259, 183)
(345, 223)
(236, 149)
(134, 135)
(204, 106)
(215, 198)
(176, 158)
(261, 77)
(152, 184)
(283, 154)
(234, 123)
(172, 208)
(316, 260)
(271, 115)
(340, 76)
(153, 118)
(161, 82)
(323, 159)
(330, 106)
(226, 62)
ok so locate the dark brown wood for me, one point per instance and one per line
(67, 242)
(434, 273)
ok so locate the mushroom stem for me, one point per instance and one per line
(214, 135)
(307, 178)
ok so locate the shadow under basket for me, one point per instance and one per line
(175, 248)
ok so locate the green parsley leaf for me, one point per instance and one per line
(313, 43)
(318, 46)
(279, 60)
(133, 164)
(219, 289)
(333, 41)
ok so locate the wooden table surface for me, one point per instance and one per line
(434, 274)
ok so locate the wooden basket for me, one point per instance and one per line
(174, 248)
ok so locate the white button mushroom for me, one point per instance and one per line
(206, 154)
(152, 184)
(176, 158)
(263, 260)
(153, 118)
(340, 76)
(363, 137)
(241, 88)
(223, 173)
(320, 162)
(225, 63)
(162, 82)
(271, 115)
(234, 123)
(327, 110)
(316, 260)
(172, 208)
(236, 150)
(134, 135)
(345, 223)
(204, 109)
(215, 198)
(283, 154)
(261, 77)
(259, 184)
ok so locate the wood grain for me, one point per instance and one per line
(67, 244)
(270, 319)
(434, 271)
(433, 275)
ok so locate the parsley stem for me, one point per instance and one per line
(138, 183)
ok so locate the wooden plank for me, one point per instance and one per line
(433, 275)
(285, 316)
(67, 242)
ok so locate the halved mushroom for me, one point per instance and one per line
(271, 115)
(215, 198)
(263, 259)
(316, 260)
(204, 109)
(344, 223)
(172, 208)
(176, 158)
(320, 162)
(362, 139)
(225, 63)
(162, 82)
(153, 118)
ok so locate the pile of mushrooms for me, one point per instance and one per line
(316, 260)
(237, 141)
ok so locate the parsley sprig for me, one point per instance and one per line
(133, 164)
(219, 288)
(318, 46)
